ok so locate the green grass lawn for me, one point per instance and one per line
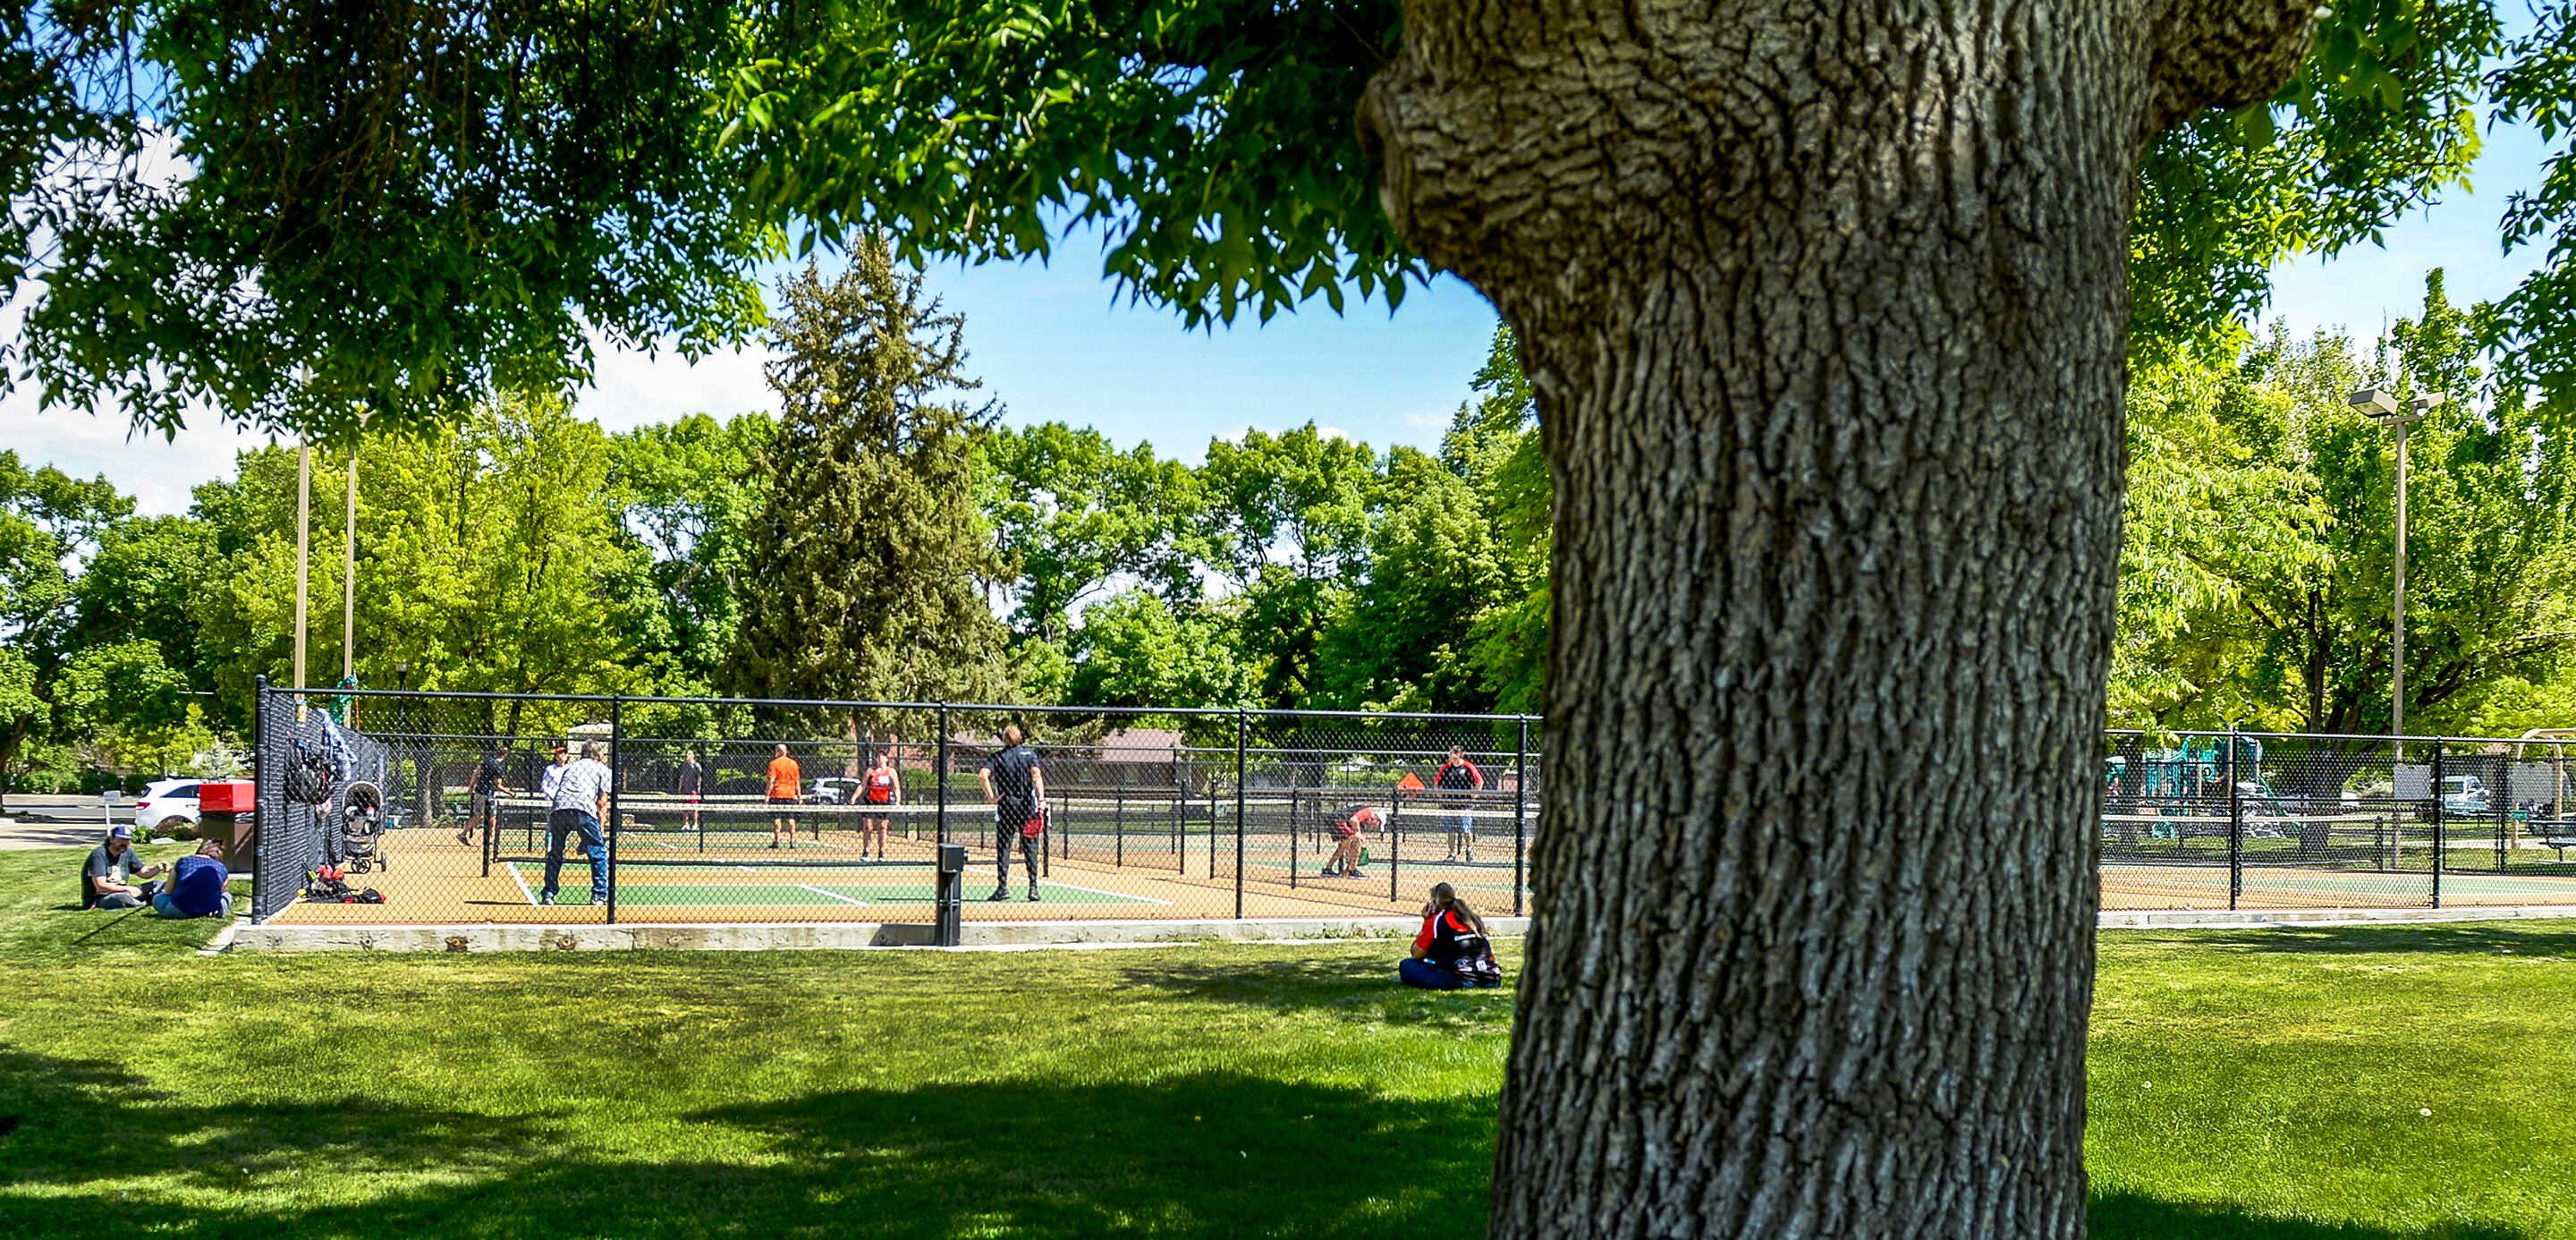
(2244, 1084)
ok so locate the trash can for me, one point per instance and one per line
(952, 898)
(226, 814)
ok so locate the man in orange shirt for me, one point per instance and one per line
(784, 781)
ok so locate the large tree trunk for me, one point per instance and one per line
(1824, 304)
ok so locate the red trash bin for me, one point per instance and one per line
(227, 813)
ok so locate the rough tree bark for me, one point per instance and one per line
(1824, 304)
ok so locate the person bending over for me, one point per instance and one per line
(1348, 830)
(1452, 951)
(199, 885)
(1016, 787)
(110, 878)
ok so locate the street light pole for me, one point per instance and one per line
(2383, 405)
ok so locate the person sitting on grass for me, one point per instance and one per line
(1452, 951)
(108, 877)
(199, 885)
(1347, 830)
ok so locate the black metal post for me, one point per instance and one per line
(1293, 821)
(1242, 736)
(2501, 796)
(1118, 853)
(2441, 834)
(2235, 825)
(1394, 839)
(260, 896)
(1520, 815)
(616, 784)
(940, 763)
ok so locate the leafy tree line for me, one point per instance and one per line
(2258, 564)
(874, 541)
(530, 550)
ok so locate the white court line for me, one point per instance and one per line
(522, 881)
(833, 894)
(1098, 892)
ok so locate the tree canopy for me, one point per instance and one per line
(293, 212)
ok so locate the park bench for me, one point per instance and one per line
(2558, 833)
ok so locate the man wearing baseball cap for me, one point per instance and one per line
(108, 877)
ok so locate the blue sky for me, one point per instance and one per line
(1051, 342)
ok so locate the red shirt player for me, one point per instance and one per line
(880, 787)
(1458, 779)
(1347, 829)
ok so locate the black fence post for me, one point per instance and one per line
(260, 896)
(1242, 738)
(1520, 816)
(2501, 796)
(1294, 821)
(616, 785)
(2235, 825)
(940, 782)
(2441, 833)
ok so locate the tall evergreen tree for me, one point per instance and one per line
(867, 568)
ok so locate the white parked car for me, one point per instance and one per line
(165, 805)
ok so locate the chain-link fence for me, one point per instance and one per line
(2240, 820)
(427, 808)
(466, 808)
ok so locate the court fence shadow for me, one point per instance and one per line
(1203, 1155)
(2136, 1216)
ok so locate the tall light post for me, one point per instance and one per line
(2383, 405)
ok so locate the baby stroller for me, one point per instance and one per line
(362, 827)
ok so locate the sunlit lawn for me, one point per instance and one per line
(2245, 1084)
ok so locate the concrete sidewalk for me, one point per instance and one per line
(18, 834)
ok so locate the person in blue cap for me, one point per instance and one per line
(110, 878)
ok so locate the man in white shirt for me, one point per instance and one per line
(579, 802)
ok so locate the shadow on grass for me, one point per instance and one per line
(1363, 986)
(2475, 938)
(2133, 1216)
(1207, 1155)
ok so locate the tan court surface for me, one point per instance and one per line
(430, 879)
(2141, 888)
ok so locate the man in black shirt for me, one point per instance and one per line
(480, 812)
(109, 874)
(692, 788)
(1016, 787)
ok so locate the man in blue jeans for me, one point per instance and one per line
(580, 801)
(197, 885)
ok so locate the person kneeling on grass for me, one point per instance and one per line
(1347, 829)
(108, 875)
(1452, 951)
(197, 885)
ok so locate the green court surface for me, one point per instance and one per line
(717, 886)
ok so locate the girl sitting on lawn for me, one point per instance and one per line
(1452, 951)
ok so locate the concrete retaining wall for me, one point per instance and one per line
(836, 936)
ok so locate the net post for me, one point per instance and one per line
(2235, 825)
(1242, 737)
(939, 785)
(1118, 847)
(616, 782)
(1520, 817)
(1394, 839)
(2441, 833)
(1293, 820)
